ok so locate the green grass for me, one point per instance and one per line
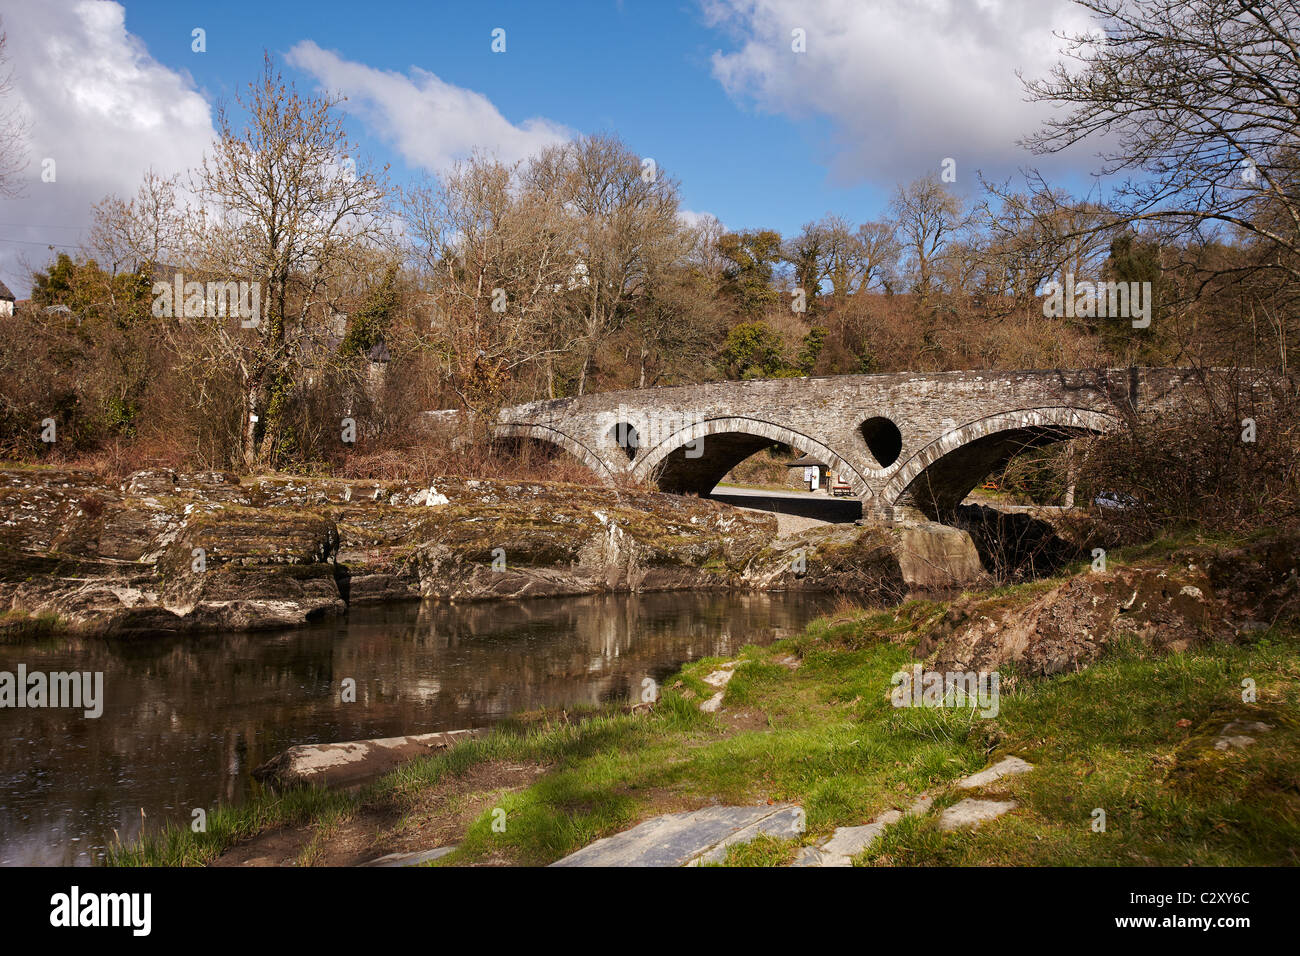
(1109, 738)
(18, 625)
(825, 735)
(762, 851)
(226, 826)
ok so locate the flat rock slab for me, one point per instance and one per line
(849, 841)
(722, 676)
(846, 843)
(811, 856)
(698, 836)
(919, 806)
(354, 762)
(971, 812)
(1233, 734)
(1006, 767)
(410, 859)
(719, 678)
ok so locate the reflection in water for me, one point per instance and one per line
(185, 720)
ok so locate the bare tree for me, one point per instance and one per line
(143, 231)
(677, 322)
(830, 251)
(13, 129)
(497, 249)
(285, 205)
(1032, 237)
(624, 218)
(1201, 101)
(843, 257)
(806, 255)
(878, 252)
(929, 216)
(702, 248)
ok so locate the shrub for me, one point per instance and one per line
(1197, 467)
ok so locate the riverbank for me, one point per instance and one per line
(188, 718)
(1187, 643)
(163, 552)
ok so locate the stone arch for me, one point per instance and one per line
(735, 439)
(936, 478)
(554, 436)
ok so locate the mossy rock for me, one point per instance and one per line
(1262, 771)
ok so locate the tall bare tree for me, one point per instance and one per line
(829, 251)
(929, 217)
(1031, 237)
(145, 230)
(496, 247)
(13, 128)
(878, 252)
(624, 215)
(287, 205)
(806, 254)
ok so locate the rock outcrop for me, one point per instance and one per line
(888, 562)
(171, 552)
(1194, 597)
(355, 761)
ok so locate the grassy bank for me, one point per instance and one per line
(809, 720)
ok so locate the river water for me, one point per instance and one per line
(185, 720)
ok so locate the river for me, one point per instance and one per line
(185, 720)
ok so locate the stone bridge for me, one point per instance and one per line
(905, 442)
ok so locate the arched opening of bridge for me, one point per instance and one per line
(1007, 469)
(753, 470)
(884, 440)
(625, 436)
(548, 455)
(1012, 531)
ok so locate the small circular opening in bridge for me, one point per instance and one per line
(624, 435)
(884, 440)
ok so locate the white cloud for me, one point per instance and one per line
(693, 219)
(98, 105)
(905, 83)
(431, 122)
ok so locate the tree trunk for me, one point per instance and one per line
(249, 431)
(1071, 471)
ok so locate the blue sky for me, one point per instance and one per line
(638, 68)
(759, 135)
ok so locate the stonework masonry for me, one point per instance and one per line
(907, 443)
